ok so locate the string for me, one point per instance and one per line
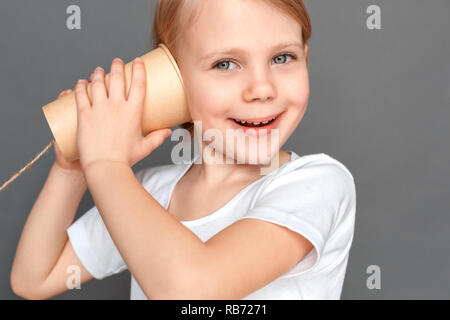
(36, 158)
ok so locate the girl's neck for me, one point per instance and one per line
(212, 174)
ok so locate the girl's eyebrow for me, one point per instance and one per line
(239, 50)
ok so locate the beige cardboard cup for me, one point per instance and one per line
(165, 102)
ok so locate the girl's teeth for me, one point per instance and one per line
(249, 123)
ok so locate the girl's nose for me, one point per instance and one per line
(260, 88)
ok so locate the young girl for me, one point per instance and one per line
(199, 230)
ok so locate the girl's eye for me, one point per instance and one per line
(225, 63)
(285, 55)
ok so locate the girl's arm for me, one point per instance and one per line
(169, 261)
(44, 238)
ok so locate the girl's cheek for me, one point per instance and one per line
(301, 93)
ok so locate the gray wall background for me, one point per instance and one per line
(379, 104)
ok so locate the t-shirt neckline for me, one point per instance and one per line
(213, 215)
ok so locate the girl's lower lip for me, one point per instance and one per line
(258, 131)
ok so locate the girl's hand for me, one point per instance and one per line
(73, 167)
(110, 128)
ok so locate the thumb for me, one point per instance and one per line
(155, 138)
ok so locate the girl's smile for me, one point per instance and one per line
(257, 126)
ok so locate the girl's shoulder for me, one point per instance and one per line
(314, 181)
(317, 161)
(318, 172)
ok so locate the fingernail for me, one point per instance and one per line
(99, 69)
(138, 59)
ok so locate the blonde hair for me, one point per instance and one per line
(172, 16)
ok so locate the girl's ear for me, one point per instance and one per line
(306, 53)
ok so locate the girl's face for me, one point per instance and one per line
(264, 76)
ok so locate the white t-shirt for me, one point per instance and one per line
(313, 195)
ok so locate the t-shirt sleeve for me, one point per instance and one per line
(312, 201)
(93, 244)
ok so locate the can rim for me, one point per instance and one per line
(172, 60)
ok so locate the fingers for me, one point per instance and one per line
(81, 96)
(63, 93)
(117, 80)
(98, 86)
(138, 82)
(155, 138)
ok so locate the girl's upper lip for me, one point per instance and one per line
(258, 119)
